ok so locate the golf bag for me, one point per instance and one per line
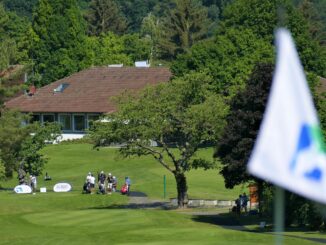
(124, 189)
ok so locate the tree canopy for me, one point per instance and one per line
(243, 122)
(104, 16)
(180, 116)
(184, 24)
(229, 58)
(245, 37)
(59, 42)
(19, 148)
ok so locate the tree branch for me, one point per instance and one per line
(159, 158)
(165, 147)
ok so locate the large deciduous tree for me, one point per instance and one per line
(243, 122)
(180, 116)
(58, 46)
(104, 16)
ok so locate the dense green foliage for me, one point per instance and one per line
(59, 43)
(321, 107)
(183, 25)
(56, 46)
(14, 43)
(265, 16)
(303, 212)
(21, 7)
(20, 145)
(136, 10)
(107, 49)
(245, 37)
(244, 120)
(235, 147)
(31, 158)
(12, 135)
(104, 16)
(229, 59)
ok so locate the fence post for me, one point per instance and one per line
(164, 186)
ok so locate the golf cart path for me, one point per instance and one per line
(140, 200)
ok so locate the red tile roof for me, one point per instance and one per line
(89, 90)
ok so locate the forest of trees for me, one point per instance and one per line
(229, 44)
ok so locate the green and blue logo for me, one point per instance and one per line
(310, 141)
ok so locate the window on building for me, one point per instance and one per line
(65, 121)
(35, 118)
(79, 122)
(48, 118)
(91, 119)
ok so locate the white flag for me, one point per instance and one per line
(289, 150)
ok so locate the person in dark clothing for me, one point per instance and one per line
(101, 182)
(244, 202)
(238, 204)
(110, 183)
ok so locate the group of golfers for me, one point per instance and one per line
(106, 184)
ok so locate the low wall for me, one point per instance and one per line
(210, 203)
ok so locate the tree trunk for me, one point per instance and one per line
(182, 189)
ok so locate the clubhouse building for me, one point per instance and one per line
(81, 98)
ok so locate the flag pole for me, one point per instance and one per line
(279, 204)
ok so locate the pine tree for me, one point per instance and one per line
(58, 48)
(104, 16)
(184, 24)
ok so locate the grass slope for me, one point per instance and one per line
(72, 162)
(73, 218)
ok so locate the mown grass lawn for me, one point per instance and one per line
(72, 162)
(74, 218)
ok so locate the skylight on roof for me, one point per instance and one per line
(61, 88)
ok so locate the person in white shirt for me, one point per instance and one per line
(33, 183)
(92, 181)
(88, 177)
(87, 185)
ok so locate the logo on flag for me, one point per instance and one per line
(309, 143)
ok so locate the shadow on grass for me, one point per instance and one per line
(312, 239)
(138, 200)
(152, 205)
(228, 219)
(234, 222)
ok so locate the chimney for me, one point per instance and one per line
(31, 90)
